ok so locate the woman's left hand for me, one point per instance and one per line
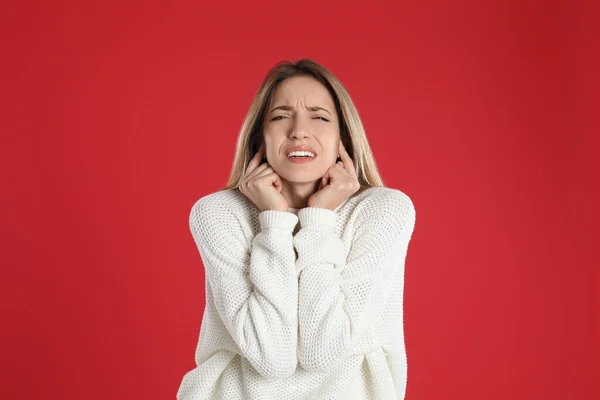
(339, 183)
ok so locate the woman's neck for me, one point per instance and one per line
(297, 194)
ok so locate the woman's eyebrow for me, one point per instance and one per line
(290, 108)
(315, 108)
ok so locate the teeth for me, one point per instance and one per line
(300, 154)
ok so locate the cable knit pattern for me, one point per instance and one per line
(303, 304)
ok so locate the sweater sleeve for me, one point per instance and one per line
(340, 298)
(254, 285)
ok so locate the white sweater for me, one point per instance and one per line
(313, 311)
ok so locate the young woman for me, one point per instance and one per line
(304, 255)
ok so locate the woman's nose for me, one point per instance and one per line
(300, 127)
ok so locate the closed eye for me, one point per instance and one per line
(280, 117)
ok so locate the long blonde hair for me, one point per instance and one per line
(352, 132)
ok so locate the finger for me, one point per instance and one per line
(263, 171)
(329, 175)
(273, 179)
(346, 160)
(255, 161)
(337, 172)
(338, 166)
(258, 171)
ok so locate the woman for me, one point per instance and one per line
(304, 255)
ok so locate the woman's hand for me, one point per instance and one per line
(339, 183)
(262, 185)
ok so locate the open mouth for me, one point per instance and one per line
(301, 154)
(300, 157)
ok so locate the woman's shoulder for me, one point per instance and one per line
(220, 198)
(378, 194)
(385, 200)
(221, 203)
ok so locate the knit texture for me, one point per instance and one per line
(301, 304)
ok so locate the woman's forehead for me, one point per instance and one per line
(306, 90)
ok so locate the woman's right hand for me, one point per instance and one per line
(262, 185)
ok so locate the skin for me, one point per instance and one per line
(309, 118)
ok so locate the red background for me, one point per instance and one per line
(117, 116)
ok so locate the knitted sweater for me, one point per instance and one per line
(301, 304)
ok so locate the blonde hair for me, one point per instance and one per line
(352, 132)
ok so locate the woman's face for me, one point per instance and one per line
(302, 113)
